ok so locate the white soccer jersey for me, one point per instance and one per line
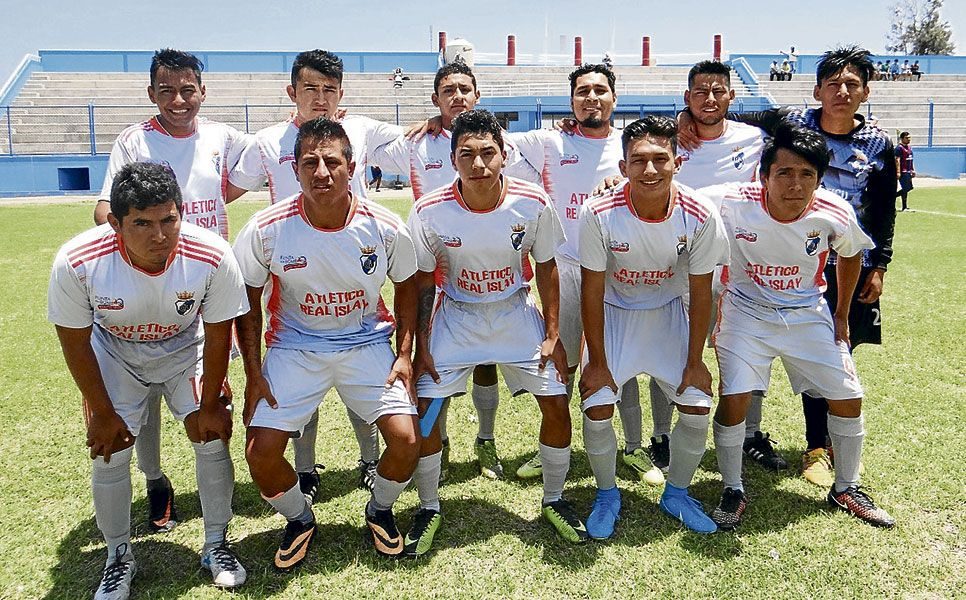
(731, 158)
(271, 154)
(141, 318)
(570, 167)
(201, 163)
(479, 253)
(325, 282)
(429, 165)
(780, 264)
(648, 262)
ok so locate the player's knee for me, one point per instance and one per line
(693, 410)
(600, 413)
(732, 409)
(484, 375)
(260, 454)
(848, 409)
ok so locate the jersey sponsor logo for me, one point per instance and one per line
(434, 164)
(216, 160)
(743, 234)
(292, 262)
(569, 159)
(185, 301)
(682, 244)
(812, 238)
(369, 259)
(286, 158)
(450, 241)
(616, 246)
(108, 303)
(516, 235)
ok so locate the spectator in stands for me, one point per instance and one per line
(376, 177)
(904, 167)
(787, 70)
(884, 71)
(608, 60)
(894, 70)
(906, 72)
(398, 78)
(914, 71)
(877, 72)
(775, 73)
(792, 58)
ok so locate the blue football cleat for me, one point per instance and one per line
(606, 511)
(676, 502)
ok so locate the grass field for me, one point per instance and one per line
(492, 543)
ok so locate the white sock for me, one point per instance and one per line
(727, 445)
(111, 487)
(148, 443)
(304, 446)
(442, 418)
(687, 444)
(292, 505)
(427, 480)
(385, 492)
(753, 418)
(367, 436)
(600, 441)
(556, 463)
(485, 399)
(215, 474)
(661, 410)
(630, 410)
(847, 435)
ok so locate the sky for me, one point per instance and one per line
(675, 26)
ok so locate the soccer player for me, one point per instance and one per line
(905, 167)
(316, 89)
(643, 246)
(570, 166)
(143, 306)
(781, 232)
(477, 231)
(327, 253)
(201, 153)
(429, 166)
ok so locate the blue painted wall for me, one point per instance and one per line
(38, 175)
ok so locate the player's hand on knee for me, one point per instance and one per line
(423, 364)
(687, 137)
(594, 378)
(256, 390)
(104, 430)
(402, 371)
(552, 350)
(214, 421)
(608, 183)
(697, 376)
(841, 325)
(872, 287)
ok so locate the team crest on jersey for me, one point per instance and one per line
(184, 302)
(738, 157)
(743, 234)
(682, 244)
(569, 159)
(216, 160)
(286, 158)
(812, 238)
(369, 259)
(516, 235)
(450, 241)
(433, 164)
(616, 246)
(292, 262)
(108, 303)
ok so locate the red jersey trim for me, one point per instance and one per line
(300, 201)
(459, 197)
(630, 205)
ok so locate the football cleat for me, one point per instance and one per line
(727, 515)
(641, 464)
(295, 544)
(660, 452)
(162, 516)
(565, 520)
(309, 483)
(444, 462)
(677, 503)
(118, 575)
(858, 504)
(419, 540)
(604, 515)
(760, 449)
(367, 474)
(817, 467)
(490, 466)
(385, 535)
(531, 469)
(226, 570)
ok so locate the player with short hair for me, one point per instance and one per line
(782, 231)
(316, 89)
(429, 166)
(143, 306)
(476, 233)
(905, 167)
(201, 153)
(643, 247)
(327, 253)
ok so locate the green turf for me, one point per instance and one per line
(491, 542)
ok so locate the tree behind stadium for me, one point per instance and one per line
(918, 28)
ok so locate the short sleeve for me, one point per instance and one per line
(709, 246)
(530, 145)
(549, 234)
(401, 254)
(518, 166)
(68, 302)
(226, 297)
(393, 156)
(593, 250)
(378, 134)
(249, 172)
(849, 239)
(119, 158)
(425, 257)
(254, 258)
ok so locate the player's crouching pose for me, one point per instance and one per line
(327, 253)
(643, 246)
(143, 306)
(781, 232)
(476, 232)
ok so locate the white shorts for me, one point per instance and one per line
(130, 394)
(299, 379)
(508, 333)
(749, 337)
(571, 327)
(653, 342)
